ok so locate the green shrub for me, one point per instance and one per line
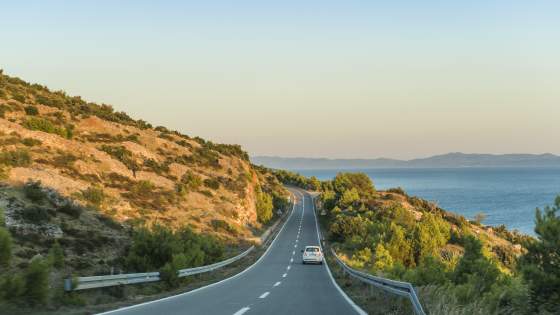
(347, 227)
(10, 141)
(17, 158)
(65, 160)
(143, 188)
(400, 247)
(206, 193)
(71, 209)
(18, 97)
(349, 198)
(383, 259)
(166, 136)
(280, 202)
(430, 235)
(2, 217)
(5, 247)
(189, 182)
(212, 183)
(431, 271)
(540, 265)
(30, 142)
(12, 287)
(223, 225)
(31, 110)
(203, 156)
(41, 124)
(402, 216)
(360, 181)
(36, 214)
(34, 191)
(3, 110)
(184, 143)
(294, 179)
(264, 207)
(509, 295)
(122, 154)
(94, 195)
(154, 166)
(152, 249)
(169, 273)
(56, 255)
(474, 270)
(37, 282)
(362, 258)
(63, 298)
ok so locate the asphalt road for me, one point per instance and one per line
(278, 283)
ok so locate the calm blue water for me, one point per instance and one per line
(506, 195)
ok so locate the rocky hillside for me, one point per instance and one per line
(83, 176)
(123, 167)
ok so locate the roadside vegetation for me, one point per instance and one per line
(459, 266)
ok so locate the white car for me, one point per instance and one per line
(312, 254)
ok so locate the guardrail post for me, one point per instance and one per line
(68, 284)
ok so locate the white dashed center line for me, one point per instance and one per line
(277, 284)
(289, 267)
(291, 260)
(284, 275)
(264, 295)
(242, 311)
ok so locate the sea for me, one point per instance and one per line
(507, 196)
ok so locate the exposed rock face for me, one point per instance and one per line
(13, 212)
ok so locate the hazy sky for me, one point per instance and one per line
(307, 78)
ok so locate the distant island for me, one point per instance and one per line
(438, 161)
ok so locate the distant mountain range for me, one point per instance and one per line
(437, 161)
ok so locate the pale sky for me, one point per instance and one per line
(349, 79)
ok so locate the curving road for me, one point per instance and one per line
(278, 283)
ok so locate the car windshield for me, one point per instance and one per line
(312, 249)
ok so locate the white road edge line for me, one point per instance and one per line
(358, 309)
(242, 311)
(215, 283)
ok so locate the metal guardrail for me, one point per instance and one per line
(83, 283)
(404, 289)
(202, 269)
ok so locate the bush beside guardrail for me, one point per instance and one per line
(84, 283)
(400, 288)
